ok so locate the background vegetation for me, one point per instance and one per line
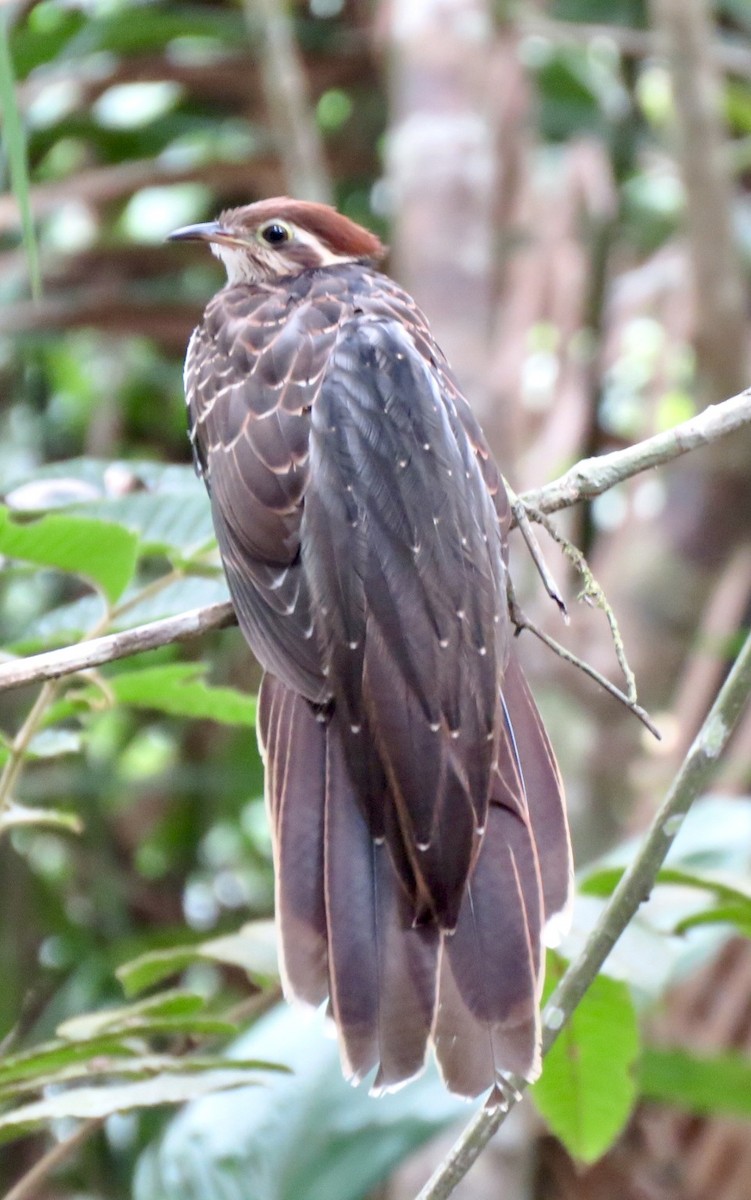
(564, 186)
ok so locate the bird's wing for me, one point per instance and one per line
(252, 372)
(404, 557)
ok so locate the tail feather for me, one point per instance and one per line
(487, 1019)
(293, 745)
(543, 788)
(382, 971)
(354, 926)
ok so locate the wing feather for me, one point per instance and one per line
(413, 795)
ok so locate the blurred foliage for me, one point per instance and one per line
(133, 848)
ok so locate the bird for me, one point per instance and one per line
(421, 850)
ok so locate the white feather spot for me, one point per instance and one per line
(355, 728)
(423, 846)
(352, 645)
(443, 643)
(454, 733)
(434, 726)
(460, 614)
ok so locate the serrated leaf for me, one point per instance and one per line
(97, 550)
(57, 1055)
(71, 621)
(135, 1066)
(253, 949)
(180, 689)
(85, 1103)
(168, 523)
(712, 1084)
(123, 1018)
(587, 1089)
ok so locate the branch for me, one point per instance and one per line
(84, 655)
(592, 476)
(27, 1186)
(633, 888)
(733, 57)
(686, 29)
(587, 479)
(298, 138)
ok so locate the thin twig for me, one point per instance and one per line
(22, 741)
(522, 622)
(584, 481)
(522, 518)
(593, 593)
(28, 1184)
(633, 888)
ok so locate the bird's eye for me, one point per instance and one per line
(275, 233)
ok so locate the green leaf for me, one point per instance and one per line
(136, 1066)
(85, 1103)
(587, 1090)
(71, 621)
(50, 1057)
(51, 818)
(179, 689)
(98, 550)
(127, 1018)
(714, 1085)
(172, 523)
(604, 882)
(724, 914)
(14, 142)
(308, 1134)
(252, 948)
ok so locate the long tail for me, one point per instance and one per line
(346, 920)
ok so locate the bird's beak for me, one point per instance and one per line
(210, 231)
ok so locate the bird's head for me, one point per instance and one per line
(273, 239)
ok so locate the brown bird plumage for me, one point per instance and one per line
(419, 833)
